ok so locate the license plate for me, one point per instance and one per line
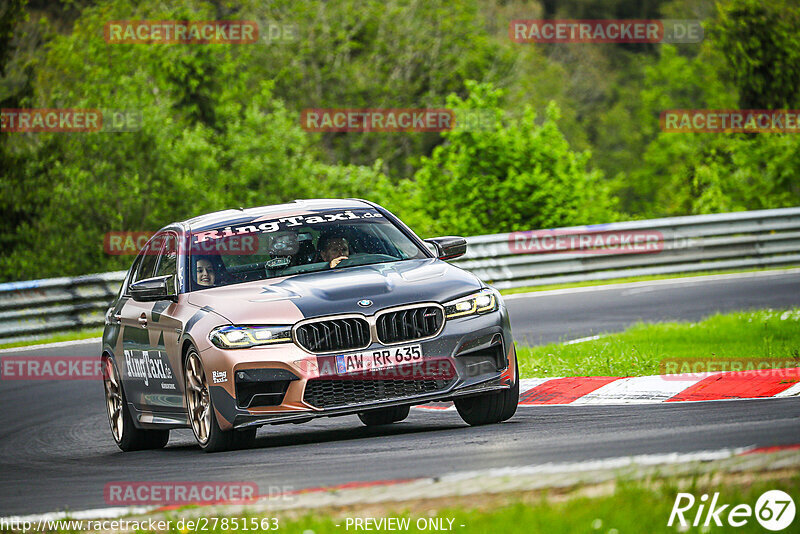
(383, 358)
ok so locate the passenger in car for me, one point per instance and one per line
(206, 274)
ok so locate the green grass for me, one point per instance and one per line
(632, 508)
(640, 350)
(55, 338)
(531, 289)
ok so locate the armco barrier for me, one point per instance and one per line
(36, 307)
(681, 244)
(738, 240)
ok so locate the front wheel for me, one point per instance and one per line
(384, 416)
(125, 433)
(492, 407)
(207, 432)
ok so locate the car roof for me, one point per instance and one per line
(296, 207)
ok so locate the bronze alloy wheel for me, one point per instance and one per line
(123, 428)
(201, 412)
(113, 399)
(198, 398)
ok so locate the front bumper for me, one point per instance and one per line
(473, 352)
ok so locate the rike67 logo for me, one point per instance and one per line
(774, 510)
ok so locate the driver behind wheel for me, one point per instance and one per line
(334, 250)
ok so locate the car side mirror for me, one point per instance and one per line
(153, 289)
(449, 247)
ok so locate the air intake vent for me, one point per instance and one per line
(409, 324)
(335, 393)
(333, 335)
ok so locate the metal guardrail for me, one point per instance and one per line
(676, 245)
(39, 307)
(738, 240)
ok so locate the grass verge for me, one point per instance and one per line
(633, 507)
(624, 280)
(639, 351)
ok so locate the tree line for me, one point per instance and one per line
(572, 135)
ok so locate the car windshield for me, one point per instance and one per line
(268, 248)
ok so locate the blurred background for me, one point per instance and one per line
(574, 136)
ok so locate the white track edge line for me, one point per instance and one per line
(667, 281)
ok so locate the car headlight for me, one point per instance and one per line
(240, 337)
(485, 301)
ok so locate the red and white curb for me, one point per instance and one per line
(609, 390)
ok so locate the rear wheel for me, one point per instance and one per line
(125, 433)
(491, 407)
(207, 432)
(384, 416)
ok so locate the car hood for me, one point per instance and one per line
(289, 299)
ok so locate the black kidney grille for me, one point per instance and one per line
(334, 393)
(334, 335)
(409, 324)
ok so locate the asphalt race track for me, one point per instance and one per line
(56, 451)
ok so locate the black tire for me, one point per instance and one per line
(511, 401)
(129, 438)
(512, 395)
(384, 416)
(212, 438)
(493, 407)
(228, 440)
(244, 439)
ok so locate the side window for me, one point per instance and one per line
(147, 265)
(168, 259)
(134, 268)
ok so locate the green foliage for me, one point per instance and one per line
(378, 54)
(514, 174)
(12, 12)
(203, 145)
(761, 43)
(573, 138)
(714, 173)
(696, 173)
